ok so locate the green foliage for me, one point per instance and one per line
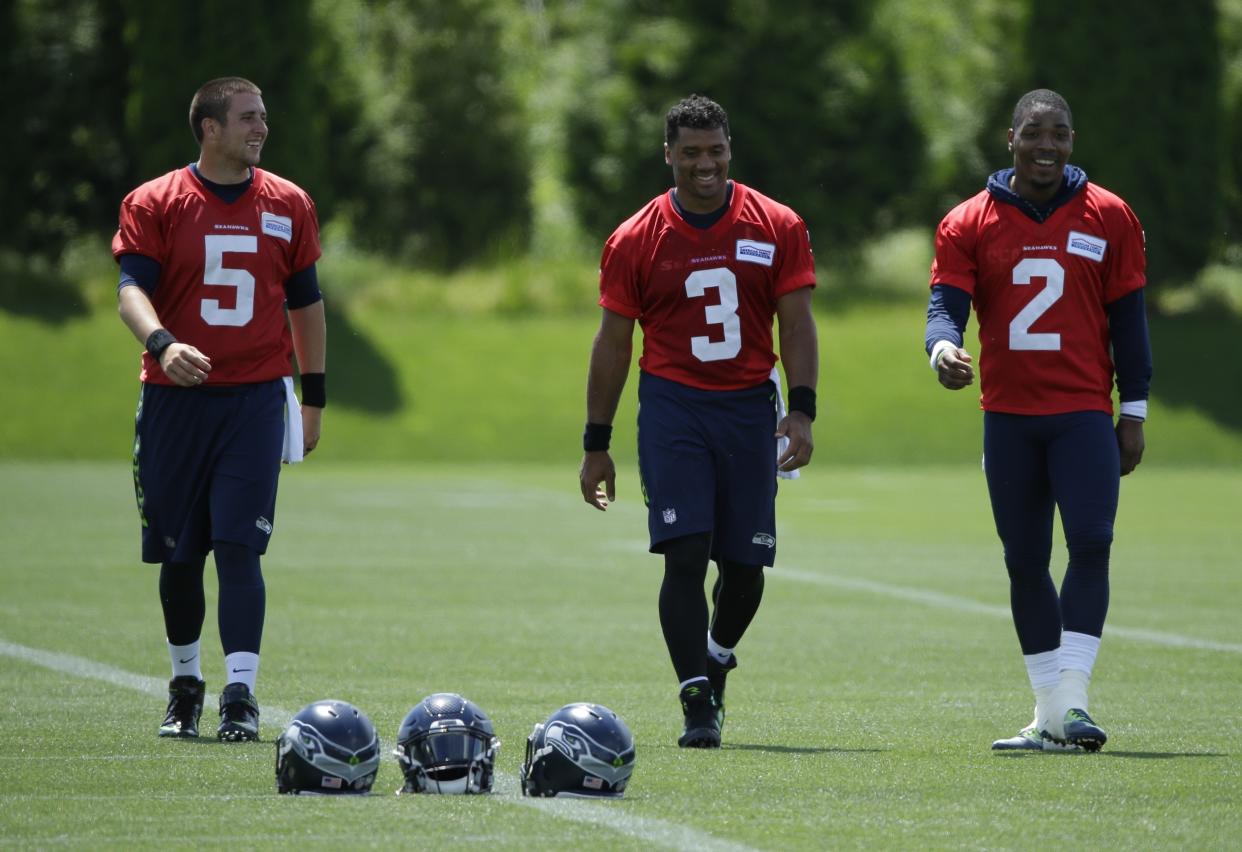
(62, 88)
(879, 668)
(174, 49)
(1148, 130)
(824, 129)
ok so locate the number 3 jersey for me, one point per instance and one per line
(705, 298)
(223, 268)
(1040, 290)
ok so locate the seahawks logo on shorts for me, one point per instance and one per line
(764, 539)
(264, 524)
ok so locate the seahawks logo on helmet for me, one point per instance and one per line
(329, 747)
(580, 750)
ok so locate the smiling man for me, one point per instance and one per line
(211, 255)
(1055, 267)
(704, 268)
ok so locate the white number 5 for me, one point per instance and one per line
(217, 274)
(723, 314)
(1020, 334)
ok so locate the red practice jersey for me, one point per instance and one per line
(706, 298)
(223, 268)
(1040, 291)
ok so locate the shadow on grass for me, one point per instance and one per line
(27, 290)
(1192, 353)
(780, 749)
(1139, 755)
(364, 380)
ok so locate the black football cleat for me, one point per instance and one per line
(702, 716)
(185, 705)
(716, 674)
(239, 714)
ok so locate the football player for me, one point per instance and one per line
(704, 268)
(1055, 267)
(211, 255)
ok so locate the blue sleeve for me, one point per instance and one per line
(1127, 328)
(302, 288)
(138, 270)
(948, 311)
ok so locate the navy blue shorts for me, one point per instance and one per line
(206, 464)
(1035, 463)
(708, 464)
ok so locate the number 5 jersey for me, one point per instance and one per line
(223, 268)
(705, 298)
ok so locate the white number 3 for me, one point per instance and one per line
(1020, 334)
(219, 275)
(723, 314)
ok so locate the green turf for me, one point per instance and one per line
(879, 669)
(476, 387)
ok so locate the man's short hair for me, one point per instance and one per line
(1041, 98)
(696, 112)
(212, 101)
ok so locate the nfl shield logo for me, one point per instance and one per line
(670, 516)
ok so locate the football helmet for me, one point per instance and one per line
(580, 750)
(446, 744)
(328, 747)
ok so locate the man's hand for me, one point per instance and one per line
(597, 467)
(795, 426)
(312, 423)
(954, 369)
(185, 365)
(1131, 444)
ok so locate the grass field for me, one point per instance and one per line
(880, 667)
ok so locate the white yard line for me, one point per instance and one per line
(606, 815)
(939, 599)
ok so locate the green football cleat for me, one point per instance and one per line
(1081, 730)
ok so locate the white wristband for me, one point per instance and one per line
(1135, 409)
(938, 350)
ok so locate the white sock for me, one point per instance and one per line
(721, 653)
(1044, 672)
(185, 660)
(1078, 651)
(241, 667)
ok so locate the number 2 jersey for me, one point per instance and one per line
(223, 268)
(1040, 291)
(706, 298)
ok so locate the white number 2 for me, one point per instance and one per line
(723, 314)
(217, 274)
(1020, 334)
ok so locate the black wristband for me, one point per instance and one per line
(158, 341)
(596, 437)
(802, 399)
(314, 393)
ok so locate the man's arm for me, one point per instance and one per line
(948, 311)
(610, 366)
(1127, 327)
(800, 352)
(310, 345)
(181, 362)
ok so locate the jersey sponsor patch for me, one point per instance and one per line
(752, 251)
(277, 226)
(1085, 245)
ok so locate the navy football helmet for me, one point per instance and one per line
(580, 750)
(328, 747)
(446, 744)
